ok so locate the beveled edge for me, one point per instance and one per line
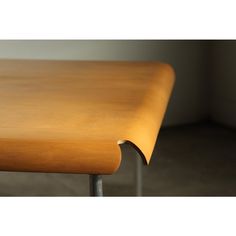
(134, 147)
(145, 159)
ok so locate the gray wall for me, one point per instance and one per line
(223, 82)
(187, 57)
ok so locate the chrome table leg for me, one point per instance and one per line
(95, 182)
(138, 176)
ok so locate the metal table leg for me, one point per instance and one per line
(138, 176)
(95, 182)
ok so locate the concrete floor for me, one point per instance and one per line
(192, 160)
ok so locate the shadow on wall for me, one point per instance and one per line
(223, 82)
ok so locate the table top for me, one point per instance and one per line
(71, 116)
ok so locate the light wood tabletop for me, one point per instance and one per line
(71, 116)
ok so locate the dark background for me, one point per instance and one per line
(196, 151)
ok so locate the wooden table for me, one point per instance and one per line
(72, 116)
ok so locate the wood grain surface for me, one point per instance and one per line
(71, 116)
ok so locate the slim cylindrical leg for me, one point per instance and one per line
(95, 182)
(138, 177)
